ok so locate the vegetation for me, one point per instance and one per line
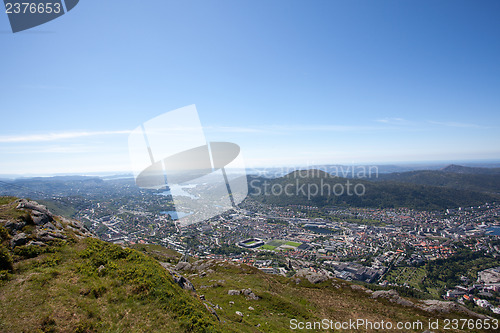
(306, 187)
(462, 181)
(226, 249)
(277, 221)
(435, 276)
(281, 299)
(86, 285)
(268, 247)
(110, 289)
(6, 200)
(447, 272)
(5, 257)
(409, 276)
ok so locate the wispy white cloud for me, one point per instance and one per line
(44, 137)
(392, 121)
(232, 129)
(455, 124)
(280, 129)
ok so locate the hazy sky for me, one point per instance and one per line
(291, 82)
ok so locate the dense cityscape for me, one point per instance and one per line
(388, 247)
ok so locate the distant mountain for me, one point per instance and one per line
(485, 180)
(471, 170)
(341, 170)
(300, 187)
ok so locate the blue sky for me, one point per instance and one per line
(291, 82)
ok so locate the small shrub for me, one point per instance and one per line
(4, 275)
(51, 261)
(48, 324)
(84, 327)
(5, 259)
(4, 234)
(28, 251)
(27, 218)
(98, 291)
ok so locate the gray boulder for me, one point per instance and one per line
(249, 295)
(392, 296)
(40, 218)
(211, 310)
(50, 226)
(19, 239)
(312, 277)
(183, 282)
(39, 213)
(35, 243)
(13, 226)
(246, 292)
(385, 293)
(34, 206)
(252, 297)
(47, 235)
(316, 278)
(233, 292)
(435, 306)
(183, 266)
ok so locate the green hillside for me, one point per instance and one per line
(489, 183)
(304, 187)
(77, 283)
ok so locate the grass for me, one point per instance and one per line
(276, 243)
(59, 207)
(7, 200)
(412, 276)
(281, 300)
(66, 291)
(8, 210)
(158, 252)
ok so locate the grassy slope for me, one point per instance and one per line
(65, 290)
(283, 299)
(86, 285)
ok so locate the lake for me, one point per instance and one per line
(495, 230)
(179, 190)
(174, 214)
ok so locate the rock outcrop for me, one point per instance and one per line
(39, 226)
(435, 306)
(314, 276)
(392, 296)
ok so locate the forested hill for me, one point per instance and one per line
(304, 187)
(454, 176)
